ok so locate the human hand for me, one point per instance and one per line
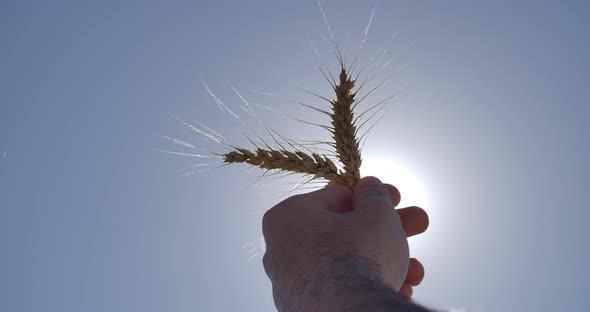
(307, 234)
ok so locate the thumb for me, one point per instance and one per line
(371, 198)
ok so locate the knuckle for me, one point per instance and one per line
(266, 261)
(289, 202)
(278, 213)
(269, 218)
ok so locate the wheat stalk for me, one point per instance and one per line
(319, 166)
(344, 169)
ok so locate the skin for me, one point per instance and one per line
(343, 249)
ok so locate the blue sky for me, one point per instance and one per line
(494, 127)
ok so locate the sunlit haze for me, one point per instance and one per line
(412, 192)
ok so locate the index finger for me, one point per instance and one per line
(414, 220)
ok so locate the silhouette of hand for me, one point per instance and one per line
(307, 234)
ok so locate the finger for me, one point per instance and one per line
(406, 291)
(393, 194)
(371, 197)
(415, 272)
(414, 220)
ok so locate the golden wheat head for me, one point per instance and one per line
(344, 130)
(319, 166)
(282, 160)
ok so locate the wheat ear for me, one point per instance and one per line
(299, 162)
(345, 142)
(344, 130)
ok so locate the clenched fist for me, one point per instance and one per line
(343, 249)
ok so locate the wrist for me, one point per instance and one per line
(322, 280)
(345, 285)
(349, 283)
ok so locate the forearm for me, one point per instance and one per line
(346, 283)
(356, 293)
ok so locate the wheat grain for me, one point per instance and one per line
(319, 166)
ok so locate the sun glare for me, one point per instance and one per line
(388, 171)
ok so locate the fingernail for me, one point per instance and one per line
(370, 181)
(371, 187)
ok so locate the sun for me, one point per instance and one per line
(389, 171)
